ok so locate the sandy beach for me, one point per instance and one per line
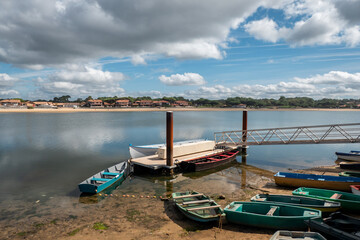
(76, 110)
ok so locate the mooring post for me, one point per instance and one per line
(169, 139)
(244, 135)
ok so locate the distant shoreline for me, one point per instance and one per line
(71, 110)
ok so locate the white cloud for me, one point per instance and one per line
(82, 81)
(36, 34)
(316, 23)
(182, 79)
(334, 84)
(6, 80)
(9, 93)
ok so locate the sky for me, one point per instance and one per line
(195, 49)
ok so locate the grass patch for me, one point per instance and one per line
(100, 226)
(73, 217)
(22, 234)
(72, 233)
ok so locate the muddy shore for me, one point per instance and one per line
(130, 214)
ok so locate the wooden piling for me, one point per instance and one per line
(169, 139)
(244, 135)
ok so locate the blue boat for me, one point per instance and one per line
(104, 179)
(296, 180)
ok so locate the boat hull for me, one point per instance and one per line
(350, 165)
(282, 235)
(208, 162)
(315, 181)
(323, 205)
(207, 208)
(349, 174)
(113, 175)
(352, 156)
(337, 226)
(355, 189)
(255, 214)
(349, 201)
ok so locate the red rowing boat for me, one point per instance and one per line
(208, 162)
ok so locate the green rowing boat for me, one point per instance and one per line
(349, 174)
(349, 201)
(197, 206)
(270, 215)
(300, 201)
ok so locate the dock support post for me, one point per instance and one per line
(244, 136)
(169, 140)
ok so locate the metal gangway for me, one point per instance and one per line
(334, 133)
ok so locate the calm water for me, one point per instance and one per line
(43, 156)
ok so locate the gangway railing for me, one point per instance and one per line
(334, 133)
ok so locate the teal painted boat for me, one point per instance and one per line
(269, 215)
(197, 206)
(104, 179)
(349, 174)
(349, 201)
(287, 235)
(319, 204)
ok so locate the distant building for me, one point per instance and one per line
(239, 106)
(181, 103)
(161, 103)
(143, 103)
(43, 104)
(122, 103)
(94, 103)
(10, 103)
(67, 105)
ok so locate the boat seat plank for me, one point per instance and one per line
(336, 196)
(101, 179)
(110, 173)
(214, 159)
(195, 202)
(203, 208)
(271, 211)
(191, 195)
(225, 155)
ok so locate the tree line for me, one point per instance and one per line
(282, 102)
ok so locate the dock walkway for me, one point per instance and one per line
(154, 162)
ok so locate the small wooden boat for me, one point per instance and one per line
(269, 215)
(300, 201)
(350, 174)
(287, 235)
(355, 189)
(208, 162)
(350, 165)
(351, 156)
(105, 178)
(337, 226)
(288, 179)
(349, 201)
(197, 206)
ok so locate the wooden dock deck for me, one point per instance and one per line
(153, 162)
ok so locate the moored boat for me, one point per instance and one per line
(300, 201)
(349, 201)
(197, 206)
(350, 165)
(269, 215)
(355, 189)
(288, 179)
(351, 156)
(287, 235)
(349, 174)
(104, 179)
(208, 162)
(337, 226)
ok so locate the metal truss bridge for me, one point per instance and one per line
(334, 133)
